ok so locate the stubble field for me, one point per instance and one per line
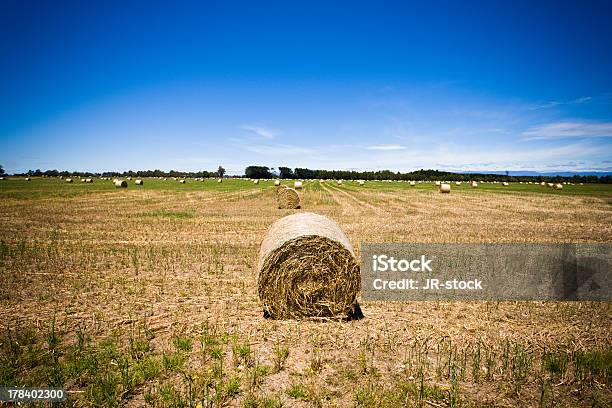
(147, 296)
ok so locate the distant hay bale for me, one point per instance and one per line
(474, 184)
(437, 183)
(28, 179)
(412, 184)
(307, 268)
(220, 181)
(182, 181)
(445, 188)
(139, 182)
(550, 184)
(361, 182)
(255, 181)
(505, 183)
(120, 183)
(68, 180)
(82, 180)
(559, 186)
(339, 182)
(458, 183)
(88, 180)
(2, 178)
(277, 182)
(287, 198)
(297, 185)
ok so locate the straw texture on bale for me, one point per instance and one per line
(287, 198)
(120, 183)
(307, 268)
(445, 188)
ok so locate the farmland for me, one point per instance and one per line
(148, 296)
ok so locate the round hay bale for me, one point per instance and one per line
(255, 181)
(277, 183)
(139, 182)
(219, 180)
(412, 184)
(361, 182)
(287, 198)
(182, 181)
(2, 178)
(559, 186)
(445, 188)
(120, 183)
(88, 180)
(297, 185)
(458, 183)
(68, 180)
(505, 183)
(307, 268)
(474, 184)
(339, 182)
(28, 179)
(437, 183)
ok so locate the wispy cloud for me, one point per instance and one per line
(261, 131)
(552, 104)
(568, 129)
(386, 147)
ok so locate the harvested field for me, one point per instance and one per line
(148, 296)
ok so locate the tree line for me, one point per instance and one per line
(139, 173)
(418, 175)
(263, 172)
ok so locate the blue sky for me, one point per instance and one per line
(358, 85)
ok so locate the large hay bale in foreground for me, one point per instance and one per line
(120, 183)
(307, 268)
(445, 188)
(287, 198)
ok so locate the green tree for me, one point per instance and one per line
(257, 172)
(285, 173)
(220, 171)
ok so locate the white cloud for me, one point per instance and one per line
(386, 147)
(552, 104)
(569, 129)
(261, 131)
